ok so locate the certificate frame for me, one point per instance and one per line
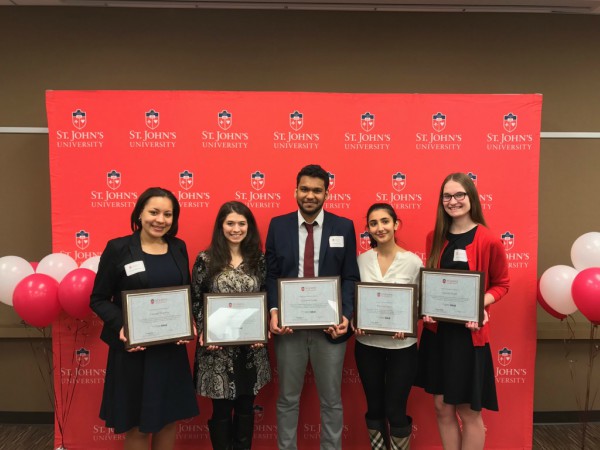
(405, 293)
(440, 288)
(325, 311)
(171, 308)
(232, 308)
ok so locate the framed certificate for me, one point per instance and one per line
(157, 316)
(385, 308)
(235, 319)
(452, 295)
(309, 303)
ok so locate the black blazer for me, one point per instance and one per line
(111, 279)
(282, 257)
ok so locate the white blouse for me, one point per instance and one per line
(403, 270)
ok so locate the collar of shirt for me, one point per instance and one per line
(319, 220)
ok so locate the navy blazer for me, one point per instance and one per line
(111, 279)
(282, 249)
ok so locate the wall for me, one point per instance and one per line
(88, 48)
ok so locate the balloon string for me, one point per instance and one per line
(570, 322)
(77, 362)
(60, 417)
(49, 388)
(590, 367)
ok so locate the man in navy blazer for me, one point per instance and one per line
(334, 255)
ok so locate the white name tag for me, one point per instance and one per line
(134, 267)
(460, 255)
(336, 241)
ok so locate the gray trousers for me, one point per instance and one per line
(327, 360)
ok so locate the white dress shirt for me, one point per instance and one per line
(403, 270)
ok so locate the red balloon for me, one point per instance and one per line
(546, 306)
(74, 292)
(586, 293)
(34, 264)
(36, 300)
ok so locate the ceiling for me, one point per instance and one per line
(507, 6)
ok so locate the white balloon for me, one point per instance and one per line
(585, 252)
(91, 263)
(555, 286)
(12, 270)
(57, 265)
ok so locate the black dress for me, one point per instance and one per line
(151, 388)
(449, 363)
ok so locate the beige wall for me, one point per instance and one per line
(85, 48)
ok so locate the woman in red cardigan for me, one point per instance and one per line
(455, 361)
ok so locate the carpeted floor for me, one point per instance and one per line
(545, 437)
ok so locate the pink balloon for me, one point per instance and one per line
(36, 300)
(74, 292)
(547, 308)
(586, 293)
(34, 264)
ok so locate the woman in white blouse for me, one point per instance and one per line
(387, 364)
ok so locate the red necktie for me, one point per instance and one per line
(309, 252)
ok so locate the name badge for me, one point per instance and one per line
(336, 241)
(460, 255)
(134, 267)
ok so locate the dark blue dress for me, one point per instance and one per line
(151, 388)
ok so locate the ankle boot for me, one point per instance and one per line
(220, 434)
(400, 436)
(243, 429)
(378, 434)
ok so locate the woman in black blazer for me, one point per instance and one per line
(146, 390)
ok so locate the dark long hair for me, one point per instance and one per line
(443, 220)
(141, 203)
(219, 255)
(376, 207)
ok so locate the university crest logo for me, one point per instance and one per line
(82, 239)
(331, 181)
(225, 120)
(510, 122)
(504, 356)
(152, 119)
(186, 179)
(438, 122)
(367, 121)
(508, 239)
(398, 181)
(113, 179)
(259, 413)
(79, 119)
(257, 180)
(365, 241)
(82, 356)
(296, 120)
(473, 177)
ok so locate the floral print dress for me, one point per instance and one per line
(234, 370)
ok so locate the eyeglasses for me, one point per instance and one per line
(458, 196)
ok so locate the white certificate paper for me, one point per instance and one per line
(452, 295)
(384, 308)
(309, 303)
(157, 316)
(235, 319)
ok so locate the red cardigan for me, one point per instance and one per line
(485, 254)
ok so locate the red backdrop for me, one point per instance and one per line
(106, 147)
